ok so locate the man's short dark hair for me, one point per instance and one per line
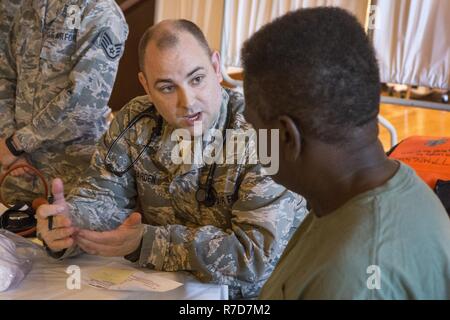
(168, 37)
(317, 66)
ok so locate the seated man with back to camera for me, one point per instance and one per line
(226, 223)
(376, 230)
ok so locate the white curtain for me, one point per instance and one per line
(244, 17)
(412, 40)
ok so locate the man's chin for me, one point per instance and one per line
(196, 132)
(193, 131)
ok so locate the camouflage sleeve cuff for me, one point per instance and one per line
(28, 140)
(71, 252)
(155, 243)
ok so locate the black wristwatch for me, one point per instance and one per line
(12, 148)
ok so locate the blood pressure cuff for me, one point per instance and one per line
(19, 219)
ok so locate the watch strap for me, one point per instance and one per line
(12, 148)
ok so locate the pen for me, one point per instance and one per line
(50, 219)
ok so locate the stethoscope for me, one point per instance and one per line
(156, 131)
(206, 194)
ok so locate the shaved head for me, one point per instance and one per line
(166, 35)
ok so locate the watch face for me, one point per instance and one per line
(201, 195)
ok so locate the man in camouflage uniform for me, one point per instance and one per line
(236, 241)
(58, 62)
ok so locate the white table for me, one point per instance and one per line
(47, 280)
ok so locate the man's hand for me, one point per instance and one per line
(6, 157)
(61, 235)
(116, 243)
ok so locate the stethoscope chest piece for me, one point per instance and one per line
(206, 197)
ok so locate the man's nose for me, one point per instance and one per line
(186, 98)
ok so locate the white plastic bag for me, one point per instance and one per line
(16, 259)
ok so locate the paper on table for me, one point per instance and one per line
(118, 277)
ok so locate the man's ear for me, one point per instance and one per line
(215, 60)
(290, 138)
(143, 81)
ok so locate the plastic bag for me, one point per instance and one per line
(16, 259)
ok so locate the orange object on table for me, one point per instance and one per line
(428, 156)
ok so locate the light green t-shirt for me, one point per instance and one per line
(392, 242)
